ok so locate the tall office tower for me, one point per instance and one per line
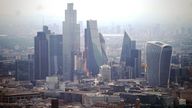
(103, 48)
(93, 51)
(41, 56)
(71, 41)
(158, 58)
(127, 46)
(55, 54)
(130, 58)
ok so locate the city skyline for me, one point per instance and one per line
(74, 61)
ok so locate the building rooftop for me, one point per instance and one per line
(158, 43)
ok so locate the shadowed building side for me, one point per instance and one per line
(41, 56)
(55, 54)
(103, 48)
(165, 65)
(126, 48)
(130, 59)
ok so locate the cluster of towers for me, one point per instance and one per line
(61, 54)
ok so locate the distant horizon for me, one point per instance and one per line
(29, 16)
(132, 11)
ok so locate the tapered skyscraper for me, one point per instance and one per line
(130, 58)
(71, 41)
(127, 46)
(95, 57)
(158, 59)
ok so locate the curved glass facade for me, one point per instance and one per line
(158, 58)
(93, 48)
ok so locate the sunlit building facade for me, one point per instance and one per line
(71, 41)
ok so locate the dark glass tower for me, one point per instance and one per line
(135, 62)
(126, 48)
(130, 59)
(55, 54)
(41, 56)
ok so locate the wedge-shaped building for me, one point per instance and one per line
(130, 59)
(126, 48)
(94, 50)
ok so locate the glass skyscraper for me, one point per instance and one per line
(94, 48)
(126, 48)
(55, 54)
(158, 59)
(41, 56)
(130, 59)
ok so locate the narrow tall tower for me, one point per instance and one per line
(71, 41)
(41, 56)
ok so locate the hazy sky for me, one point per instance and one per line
(103, 10)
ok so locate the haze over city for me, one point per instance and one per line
(95, 53)
(35, 13)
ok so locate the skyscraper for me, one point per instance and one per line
(55, 54)
(94, 54)
(71, 41)
(158, 58)
(126, 48)
(41, 56)
(130, 59)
